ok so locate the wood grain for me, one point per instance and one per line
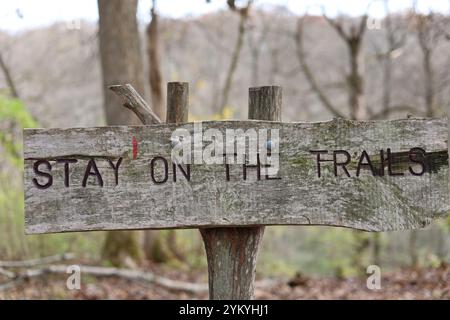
(177, 102)
(367, 202)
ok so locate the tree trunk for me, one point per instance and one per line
(121, 61)
(361, 244)
(376, 248)
(356, 85)
(413, 255)
(121, 57)
(243, 16)
(153, 53)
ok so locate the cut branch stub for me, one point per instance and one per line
(134, 102)
(177, 102)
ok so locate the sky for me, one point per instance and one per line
(18, 15)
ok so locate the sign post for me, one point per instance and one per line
(366, 175)
(232, 252)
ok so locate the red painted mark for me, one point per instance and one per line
(135, 148)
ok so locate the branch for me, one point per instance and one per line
(8, 77)
(153, 54)
(132, 275)
(394, 43)
(7, 274)
(36, 262)
(335, 25)
(133, 101)
(362, 26)
(309, 75)
(128, 274)
(243, 13)
(355, 33)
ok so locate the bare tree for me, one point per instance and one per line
(121, 57)
(301, 55)
(353, 40)
(352, 37)
(427, 34)
(153, 51)
(427, 38)
(243, 17)
(256, 40)
(121, 62)
(395, 40)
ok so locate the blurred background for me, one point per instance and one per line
(362, 60)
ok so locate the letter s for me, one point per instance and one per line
(42, 174)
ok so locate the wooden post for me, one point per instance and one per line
(177, 111)
(232, 252)
(177, 102)
(264, 103)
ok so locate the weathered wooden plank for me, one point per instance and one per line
(368, 202)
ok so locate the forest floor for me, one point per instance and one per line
(409, 283)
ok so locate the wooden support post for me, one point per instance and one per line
(232, 252)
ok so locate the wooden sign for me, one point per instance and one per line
(374, 175)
